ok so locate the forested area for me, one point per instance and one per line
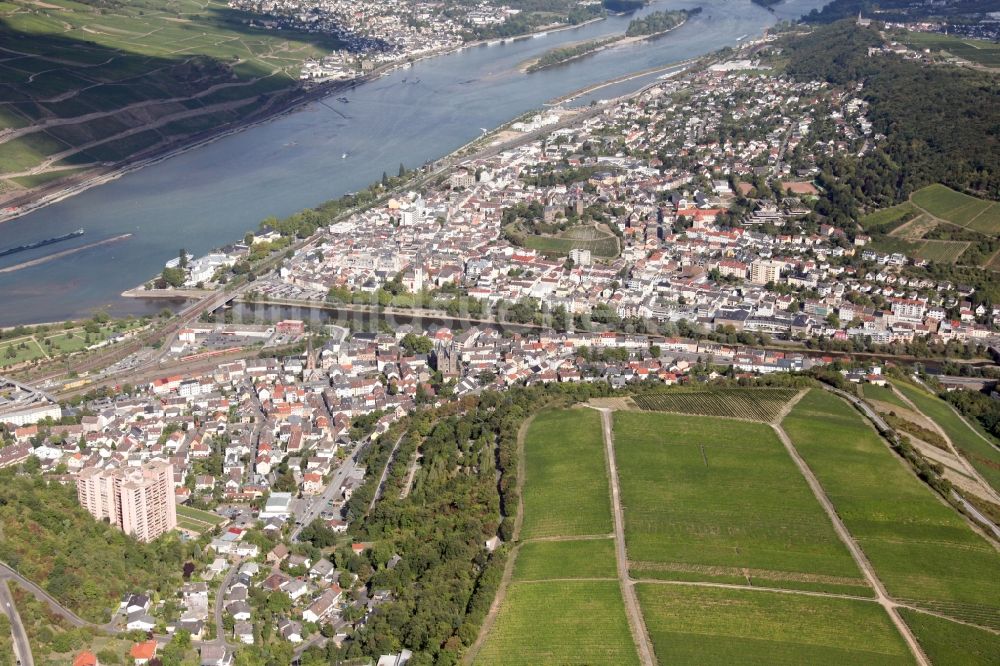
(897, 10)
(978, 407)
(560, 55)
(86, 564)
(463, 493)
(940, 122)
(657, 22)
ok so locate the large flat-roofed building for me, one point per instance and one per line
(23, 405)
(140, 501)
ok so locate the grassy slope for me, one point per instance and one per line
(921, 549)
(691, 625)
(566, 487)
(80, 59)
(561, 623)
(883, 394)
(984, 457)
(746, 507)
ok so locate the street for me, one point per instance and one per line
(316, 505)
(22, 649)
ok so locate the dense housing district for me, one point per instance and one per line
(330, 489)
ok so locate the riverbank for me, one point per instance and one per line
(531, 65)
(39, 197)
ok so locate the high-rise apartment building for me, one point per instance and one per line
(763, 271)
(139, 500)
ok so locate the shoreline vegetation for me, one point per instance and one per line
(640, 29)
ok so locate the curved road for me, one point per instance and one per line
(22, 648)
(7, 573)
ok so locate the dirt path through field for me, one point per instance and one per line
(635, 620)
(882, 597)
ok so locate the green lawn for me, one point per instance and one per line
(587, 558)
(883, 394)
(199, 515)
(566, 485)
(946, 642)
(699, 625)
(920, 547)
(721, 500)
(12, 353)
(982, 455)
(579, 622)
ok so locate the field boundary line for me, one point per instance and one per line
(979, 214)
(508, 568)
(784, 411)
(881, 596)
(589, 579)
(925, 611)
(576, 537)
(636, 621)
(754, 588)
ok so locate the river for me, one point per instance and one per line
(212, 195)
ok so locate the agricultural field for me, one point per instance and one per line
(701, 625)
(111, 68)
(888, 219)
(197, 520)
(946, 642)
(566, 485)
(581, 558)
(564, 604)
(959, 209)
(883, 394)
(563, 622)
(930, 250)
(981, 454)
(718, 500)
(921, 549)
(756, 404)
(974, 50)
(942, 251)
(916, 228)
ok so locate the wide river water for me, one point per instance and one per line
(212, 195)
